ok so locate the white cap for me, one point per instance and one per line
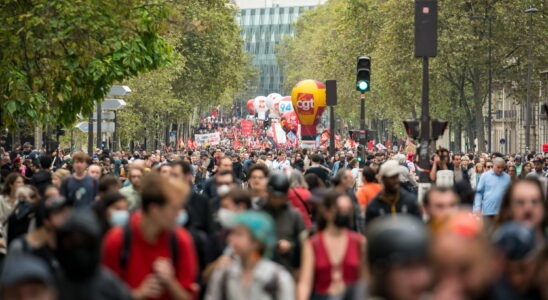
(389, 168)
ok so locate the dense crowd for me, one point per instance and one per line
(225, 222)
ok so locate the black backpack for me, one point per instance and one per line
(126, 248)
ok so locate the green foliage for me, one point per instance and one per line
(329, 39)
(58, 57)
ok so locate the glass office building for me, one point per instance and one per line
(262, 31)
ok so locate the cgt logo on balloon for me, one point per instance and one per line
(305, 104)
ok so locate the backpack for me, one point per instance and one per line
(126, 248)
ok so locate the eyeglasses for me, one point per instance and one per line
(489, 167)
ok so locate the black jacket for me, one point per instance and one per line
(41, 180)
(320, 172)
(406, 204)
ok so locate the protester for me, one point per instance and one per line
(95, 171)
(51, 214)
(289, 223)
(155, 260)
(369, 189)
(476, 174)
(525, 202)
(24, 276)
(490, 190)
(80, 188)
(79, 255)
(392, 199)
(317, 169)
(331, 261)
(252, 276)
(133, 191)
(59, 176)
(526, 169)
(298, 195)
(257, 179)
(111, 210)
(42, 178)
(439, 204)
(398, 258)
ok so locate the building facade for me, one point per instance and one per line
(263, 28)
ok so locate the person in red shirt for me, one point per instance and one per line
(155, 257)
(369, 189)
(298, 195)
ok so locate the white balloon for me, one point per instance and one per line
(271, 98)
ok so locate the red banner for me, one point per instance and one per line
(247, 127)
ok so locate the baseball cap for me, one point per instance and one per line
(21, 267)
(389, 168)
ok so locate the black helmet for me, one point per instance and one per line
(393, 240)
(514, 240)
(278, 184)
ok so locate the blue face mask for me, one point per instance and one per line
(119, 218)
(182, 218)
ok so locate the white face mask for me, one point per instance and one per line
(119, 218)
(222, 190)
(182, 218)
(226, 216)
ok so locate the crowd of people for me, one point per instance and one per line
(235, 223)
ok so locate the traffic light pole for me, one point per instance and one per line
(362, 120)
(424, 153)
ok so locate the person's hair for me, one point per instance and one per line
(157, 188)
(81, 157)
(498, 160)
(369, 174)
(238, 196)
(296, 179)
(477, 165)
(523, 174)
(223, 158)
(313, 181)
(261, 167)
(439, 189)
(10, 180)
(353, 162)
(101, 206)
(45, 161)
(185, 166)
(106, 182)
(504, 212)
(328, 202)
(315, 158)
(336, 180)
(134, 167)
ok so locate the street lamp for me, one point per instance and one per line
(528, 112)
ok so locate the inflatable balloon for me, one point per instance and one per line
(290, 121)
(285, 105)
(308, 97)
(250, 106)
(260, 107)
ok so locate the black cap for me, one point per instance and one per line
(278, 184)
(20, 267)
(394, 240)
(515, 240)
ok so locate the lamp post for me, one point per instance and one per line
(528, 112)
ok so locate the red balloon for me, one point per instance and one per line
(290, 121)
(250, 106)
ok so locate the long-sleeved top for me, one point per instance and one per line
(489, 192)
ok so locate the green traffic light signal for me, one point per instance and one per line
(363, 85)
(359, 159)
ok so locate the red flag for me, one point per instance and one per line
(388, 143)
(370, 145)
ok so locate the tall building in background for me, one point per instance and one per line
(264, 23)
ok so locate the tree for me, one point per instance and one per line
(59, 57)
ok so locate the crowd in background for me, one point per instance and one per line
(225, 222)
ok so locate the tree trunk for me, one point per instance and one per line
(478, 111)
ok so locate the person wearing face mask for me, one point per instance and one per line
(79, 255)
(153, 254)
(51, 213)
(253, 276)
(111, 210)
(218, 252)
(331, 261)
(288, 221)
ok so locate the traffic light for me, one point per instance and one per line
(438, 128)
(363, 74)
(360, 154)
(412, 128)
